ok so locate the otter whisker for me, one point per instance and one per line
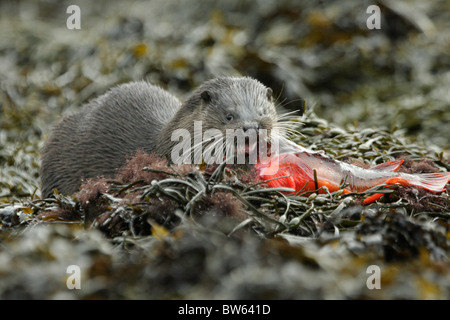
(287, 131)
(194, 148)
(287, 115)
(280, 104)
(279, 95)
(203, 142)
(291, 119)
(286, 126)
(294, 100)
(207, 152)
(231, 150)
(189, 153)
(284, 134)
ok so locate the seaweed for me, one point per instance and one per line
(164, 232)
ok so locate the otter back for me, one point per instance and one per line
(96, 140)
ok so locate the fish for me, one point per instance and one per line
(306, 170)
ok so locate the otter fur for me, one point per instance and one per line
(97, 140)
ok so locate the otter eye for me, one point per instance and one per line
(229, 117)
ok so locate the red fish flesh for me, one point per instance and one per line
(298, 170)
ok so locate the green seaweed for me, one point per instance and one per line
(372, 96)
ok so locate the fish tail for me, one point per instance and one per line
(434, 182)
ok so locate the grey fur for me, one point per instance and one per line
(97, 140)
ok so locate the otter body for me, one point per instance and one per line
(97, 140)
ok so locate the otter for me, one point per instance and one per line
(98, 139)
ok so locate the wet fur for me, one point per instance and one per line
(139, 116)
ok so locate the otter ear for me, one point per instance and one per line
(206, 96)
(269, 94)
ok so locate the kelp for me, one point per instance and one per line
(161, 232)
(163, 207)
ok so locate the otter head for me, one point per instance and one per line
(217, 110)
(240, 106)
(237, 103)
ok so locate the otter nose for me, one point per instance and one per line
(251, 125)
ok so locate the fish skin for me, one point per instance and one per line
(300, 167)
